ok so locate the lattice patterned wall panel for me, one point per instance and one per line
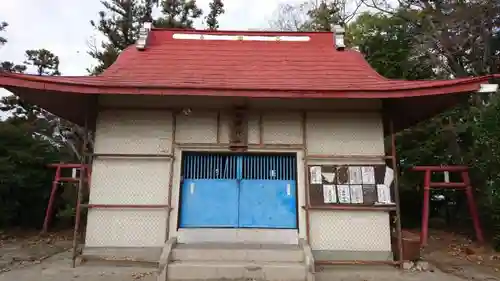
(134, 132)
(282, 127)
(130, 181)
(197, 127)
(254, 127)
(126, 228)
(350, 230)
(345, 133)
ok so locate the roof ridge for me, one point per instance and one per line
(160, 29)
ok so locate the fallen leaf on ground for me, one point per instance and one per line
(140, 275)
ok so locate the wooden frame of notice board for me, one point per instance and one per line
(351, 186)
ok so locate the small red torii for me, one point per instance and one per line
(58, 179)
(464, 184)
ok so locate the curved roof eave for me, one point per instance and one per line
(101, 85)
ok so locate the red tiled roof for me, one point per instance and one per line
(255, 69)
(242, 68)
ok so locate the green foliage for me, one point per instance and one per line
(387, 43)
(467, 134)
(25, 181)
(314, 15)
(486, 149)
(324, 16)
(178, 14)
(9, 66)
(121, 21)
(45, 61)
(216, 9)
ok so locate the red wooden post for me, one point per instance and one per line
(472, 207)
(50, 206)
(425, 208)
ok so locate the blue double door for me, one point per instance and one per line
(238, 191)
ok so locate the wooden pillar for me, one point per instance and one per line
(425, 208)
(81, 182)
(399, 235)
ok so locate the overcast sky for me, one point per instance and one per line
(62, 26)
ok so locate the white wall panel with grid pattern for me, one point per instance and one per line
(126, 228)
(129, 180)
(350, 230)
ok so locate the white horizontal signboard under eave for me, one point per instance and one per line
(212, 37)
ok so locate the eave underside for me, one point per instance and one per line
(404, 112)
(74, 98)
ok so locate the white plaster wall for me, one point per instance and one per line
(342, 134)
(134, 131)
(253, 127)
(196, 127)
(130, 181)
(282, 127)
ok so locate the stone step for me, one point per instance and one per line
(146, 257)
(89, 260)
(237, 252)
(210, 270)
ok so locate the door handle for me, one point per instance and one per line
(288, 190)
(191, 188)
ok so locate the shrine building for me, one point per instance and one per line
(266, 148)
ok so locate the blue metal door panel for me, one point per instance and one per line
(231, 190)
(268, 192)
(268, 204)
(209, 203)
(209, 191)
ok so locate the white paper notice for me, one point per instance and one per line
(355, 176)
(384, 194)
(389, 176)
(344, 194)
(316, 177)
(329, 194)
(329, 177)
(368, 175)
(356, 194)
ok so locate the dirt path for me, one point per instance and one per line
(456, 254)
(379, 273)
(18, 250)
(58, 268)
